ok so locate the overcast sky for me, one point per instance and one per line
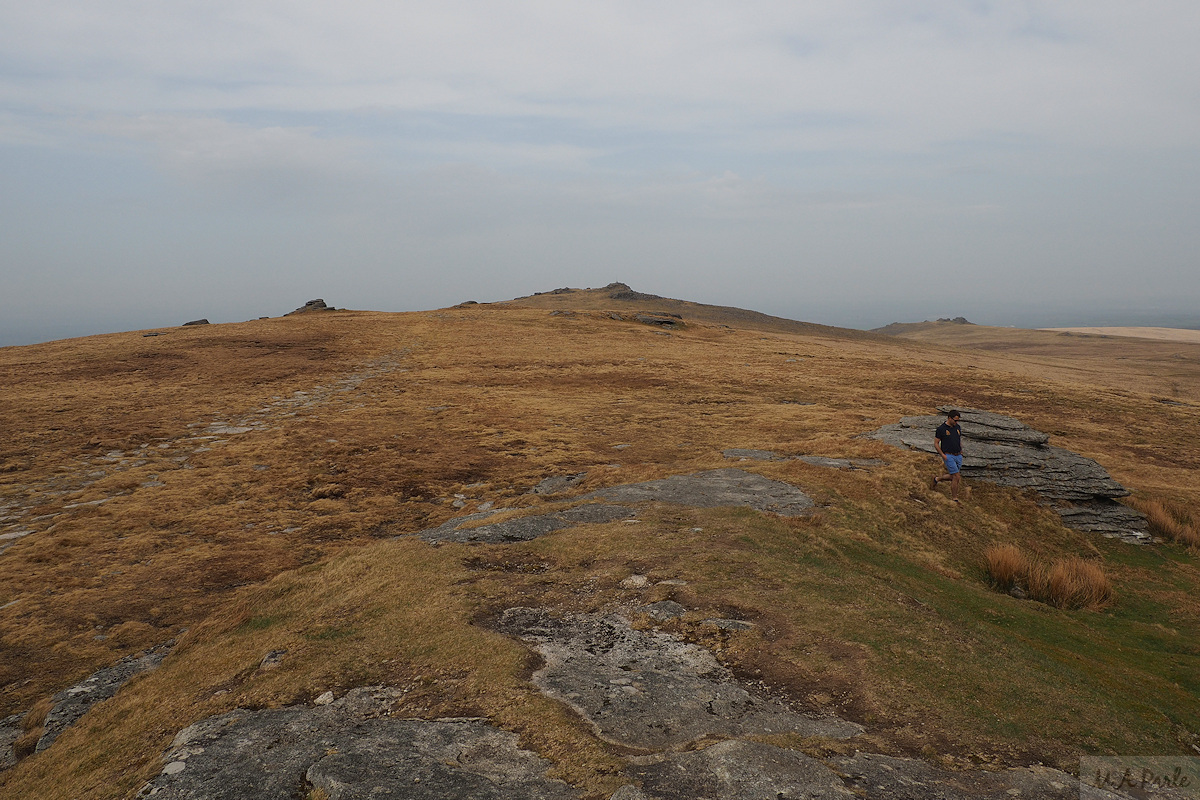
(850, 162)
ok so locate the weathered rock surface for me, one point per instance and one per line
(718, 487)
(650, 690)
(660, 318)
(10, 731)
(71, 704)
(556, 484)
(740, 770)
(712, 489)
(816, 461)
(196, 322)
(350, 749)
(879, 777)
(311, 305)
(1005, 451)
(522, 529)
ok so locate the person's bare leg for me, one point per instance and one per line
(955, 482)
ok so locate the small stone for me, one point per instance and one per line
(664, 610)
(324, 700)
(635, 582)
(174, 768)
(272, 659)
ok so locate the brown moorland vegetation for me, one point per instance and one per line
(1071, 582)
(240, 489)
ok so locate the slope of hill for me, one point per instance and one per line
(1164, 367)
(250, 492)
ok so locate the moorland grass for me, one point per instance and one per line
(1070, 582)
(877, 607)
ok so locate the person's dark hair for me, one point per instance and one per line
(952, 413)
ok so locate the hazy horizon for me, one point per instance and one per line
(848, 319)
(851, 163)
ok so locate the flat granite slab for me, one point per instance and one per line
(350, 749)
(650, 690)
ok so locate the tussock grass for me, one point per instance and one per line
(1069, 583)
(1008, 566)
(1170, 521)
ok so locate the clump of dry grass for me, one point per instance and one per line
(1170, 521)
(1071, 583)
(1076, 583)
(1007, 566)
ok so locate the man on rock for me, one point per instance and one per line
(948, 443)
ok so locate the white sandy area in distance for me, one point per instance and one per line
(1165, 334)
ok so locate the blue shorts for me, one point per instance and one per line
(953, 463)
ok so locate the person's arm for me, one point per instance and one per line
(937, 445)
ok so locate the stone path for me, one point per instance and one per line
(66, 488)
(1005, 451)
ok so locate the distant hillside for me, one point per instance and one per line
(530, 519)
(903, 328)
(620, 297)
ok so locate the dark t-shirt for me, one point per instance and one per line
(951, 438)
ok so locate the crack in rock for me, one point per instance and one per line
(650, 690)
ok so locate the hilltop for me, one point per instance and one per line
(445, 503)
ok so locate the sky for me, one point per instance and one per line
(853, 163)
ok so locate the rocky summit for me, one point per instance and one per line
(1007, 452)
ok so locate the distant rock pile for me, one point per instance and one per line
(622, 291)
(1005, 451)
(311, 305)
(195, 322)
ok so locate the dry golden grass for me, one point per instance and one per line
(1007, 566)
(1170, 521)
(1075, 583)
(277, 537)
(1072, 582)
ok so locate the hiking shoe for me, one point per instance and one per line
(933, 482)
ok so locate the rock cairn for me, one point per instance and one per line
(1007, 452)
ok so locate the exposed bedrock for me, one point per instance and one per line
(650, 690)
(1004, 451)
(714, 488)
(709, 489)
(349, 749)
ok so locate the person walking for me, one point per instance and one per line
(948, 443)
